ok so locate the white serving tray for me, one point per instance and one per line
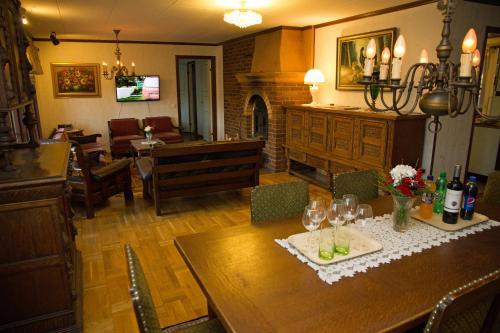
(437, 221)
(360, 245)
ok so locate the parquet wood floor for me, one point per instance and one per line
(177, 297)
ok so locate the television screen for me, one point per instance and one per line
(137, 88)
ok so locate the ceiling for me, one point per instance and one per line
(195, 21)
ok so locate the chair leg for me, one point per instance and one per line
(146, 189)
(89, 207)
(129, 194)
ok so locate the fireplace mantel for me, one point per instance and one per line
(271, 77)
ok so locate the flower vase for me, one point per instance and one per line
(401, 212)
(149, 136)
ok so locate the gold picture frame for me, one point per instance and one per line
(75, 80)
(350, 56)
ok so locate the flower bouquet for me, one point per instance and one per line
(404, 183)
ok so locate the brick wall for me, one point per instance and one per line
(237, 58)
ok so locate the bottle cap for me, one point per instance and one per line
(430, 177)
(472, 179)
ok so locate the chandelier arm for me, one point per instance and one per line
(383, 99)
(412, 70)
(460, 101)
(461, 110)
(372, 105)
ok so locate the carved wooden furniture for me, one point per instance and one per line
(121, 131)
(335, 140)
(18, 109)
(246, 277)
(163, 129)
(186, 169)
(40, 267)
(97, 183)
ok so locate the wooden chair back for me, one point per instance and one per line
(269, 202)
(147, 318)
(474, 307)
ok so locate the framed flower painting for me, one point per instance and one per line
(75, 80)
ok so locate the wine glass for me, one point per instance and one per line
(309, 223)
(365, 214)
(351, 204)
(336, 212)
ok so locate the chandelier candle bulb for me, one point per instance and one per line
(371, 50)
(476, 58)
(384, 65)
(399, 53)
(468, 46)
(424, 57)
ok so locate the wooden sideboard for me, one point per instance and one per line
(334, 140)
(40, 268)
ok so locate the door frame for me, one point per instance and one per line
(488, 30)
(213, 80)
(192, 98)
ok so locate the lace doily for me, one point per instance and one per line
(418, 237)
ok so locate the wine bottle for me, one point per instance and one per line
(453, 198)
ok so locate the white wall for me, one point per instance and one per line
(421, 27)
(92, 114)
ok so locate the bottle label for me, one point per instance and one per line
(452, 201)
(469, 202)
(427, 198)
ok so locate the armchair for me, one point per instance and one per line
(95, 183)
(163, 129)
(121, 131)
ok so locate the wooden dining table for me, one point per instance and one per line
(254, 285)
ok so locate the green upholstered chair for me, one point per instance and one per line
(492, 190)
(147, 318)
(269, 202)
(363, 183)
(473, 307)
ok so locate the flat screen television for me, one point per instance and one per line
(137, 88)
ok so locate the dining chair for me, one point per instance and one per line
(147, 318)
(492, 189)
(473, 307)
(269, 202)
(363, 183)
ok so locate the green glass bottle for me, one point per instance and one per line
(440, 193)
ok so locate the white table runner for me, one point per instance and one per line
(418, 237)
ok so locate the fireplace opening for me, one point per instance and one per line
(260, 117)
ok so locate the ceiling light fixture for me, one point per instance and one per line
(243, 17)
(118, 69)
(442, 89)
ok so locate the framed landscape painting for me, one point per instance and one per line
(75, 80)
(351, 56)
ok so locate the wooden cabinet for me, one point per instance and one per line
(40, 268)
(321, 141)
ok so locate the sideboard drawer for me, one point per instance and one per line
(296, 155)
(317, 162)
(371, 141)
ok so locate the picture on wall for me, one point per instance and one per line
(75, 80)
(351, 56)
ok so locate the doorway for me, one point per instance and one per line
(196, 96)
(484, 148)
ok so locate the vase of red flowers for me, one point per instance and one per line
(404, 183)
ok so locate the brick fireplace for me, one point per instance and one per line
(264, 72)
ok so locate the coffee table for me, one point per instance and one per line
(141, 148)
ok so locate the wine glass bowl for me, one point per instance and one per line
(351, 203)
(365, 214)
(336, 212)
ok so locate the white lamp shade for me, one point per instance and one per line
(314, 76)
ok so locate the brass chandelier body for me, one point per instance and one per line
(440, 90)
(118, 69)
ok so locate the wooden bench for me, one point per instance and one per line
(188, 169)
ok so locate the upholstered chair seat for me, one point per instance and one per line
(163, 129)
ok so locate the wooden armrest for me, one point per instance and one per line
(86, 138)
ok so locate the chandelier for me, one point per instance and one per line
(243, 17)
(440, 89)
(118, 68)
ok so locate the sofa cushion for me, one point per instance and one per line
(124, 127)
(168, 137)
(159, 124)
(126, 138)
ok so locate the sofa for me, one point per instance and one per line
(163, 129)
(199, 167)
